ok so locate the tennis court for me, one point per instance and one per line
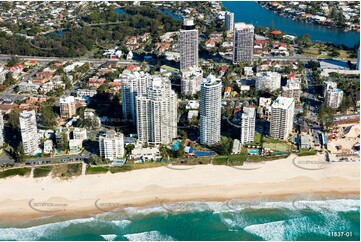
(276, 146)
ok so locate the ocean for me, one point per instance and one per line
(245, 219)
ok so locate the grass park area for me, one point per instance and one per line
(276, 145)
(65, 171)
(258, 139)
(306, 152)
(25, 171)
(234, 159)
(123, 168)
(313, 51)
(42, 171)
(131, 167)
(256, 158)
(96, 170)
(203, 160)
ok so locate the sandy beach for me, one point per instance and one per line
(26, 198)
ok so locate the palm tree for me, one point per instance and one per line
(164, 151)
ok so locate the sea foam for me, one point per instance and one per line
(45, 231)
(109, 237)
(148, 236)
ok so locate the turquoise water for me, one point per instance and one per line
(176, 145)
(170, 13)
(204, 153)
(118, 162)
(260, 219)
(253, 13)
(120, 11)
(254, 151)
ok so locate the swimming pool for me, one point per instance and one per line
(118, 162)
(254, 151)
(204, 153)
(175, 146)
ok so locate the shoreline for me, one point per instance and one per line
(35, 220)
(304, 20)
(25, 199)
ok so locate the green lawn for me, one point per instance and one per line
(130, 167)
(256, 158)
(220, 160)
(194, 161)
(15, 171)
(234, 159)
(276, 144)
(305, 152)
(66, 170)
(237, 159)
(313, 51)
(42, 171)
(258, 138)
(96, 169)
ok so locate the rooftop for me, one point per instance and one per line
(283, 102)
(249, 112)
(242, 25)
(211, 80)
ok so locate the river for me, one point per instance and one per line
(251, 12)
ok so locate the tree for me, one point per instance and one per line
(13, 61)
(13, 120)
(304, 40)
(305, 110)
(19, 154)
(225, 146)
(180, 151)
(95, 160)
(344, 105)
(183, 135)
(48, 118)
(330, 117)
(64, 141)
(333, 13)
(129, 148)
(163, 151)
(312, 64)
(321, 113)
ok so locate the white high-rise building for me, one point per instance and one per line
(29, 132)
(67, 107)
(332, 94)
(111, 145)
(2, 133)
(292, 89)
(133, 84)
(188, 40)
(268, 81)
(80, 134)
(334, 97)
(248, 125)
(243, 43)
(210, 110)
(191, 81)
(282, 111)
(157, 113)
(328, 85)
(229, 21)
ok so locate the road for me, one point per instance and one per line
(49, 59)
(8, 93)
